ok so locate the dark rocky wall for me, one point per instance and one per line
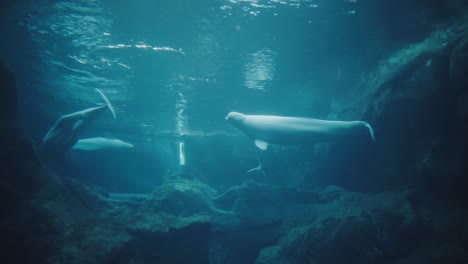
(8, 99)
(419, 118)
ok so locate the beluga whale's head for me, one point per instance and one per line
(235, 118)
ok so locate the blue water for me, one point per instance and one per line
(174, 68)
(185, 190)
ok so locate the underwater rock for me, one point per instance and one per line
(459, 74)
(8, 95)
(16, 150)
(74, 223)
(334, 225)
(376, 237)
(458, 64)
(264, 212)
(185, 194)
(380, 228)
(94, 228)
(163, 238)
(24, 227)
(185, 221)
(264, 204)
(27, 222)
(444, 169)
(416, 106)
(268, 213)
(180, 197)
(20, 170)
(172, 225)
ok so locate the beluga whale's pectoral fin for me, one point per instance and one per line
(261, 144)
(109, 105)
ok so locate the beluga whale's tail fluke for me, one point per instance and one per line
(109, 105)
(371, 131)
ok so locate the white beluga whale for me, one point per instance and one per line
(282, 130)
(101, 143)
(64, 134)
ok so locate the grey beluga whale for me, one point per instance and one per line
(64, 134)
(283, 130)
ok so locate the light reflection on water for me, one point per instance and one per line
(259, 69)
